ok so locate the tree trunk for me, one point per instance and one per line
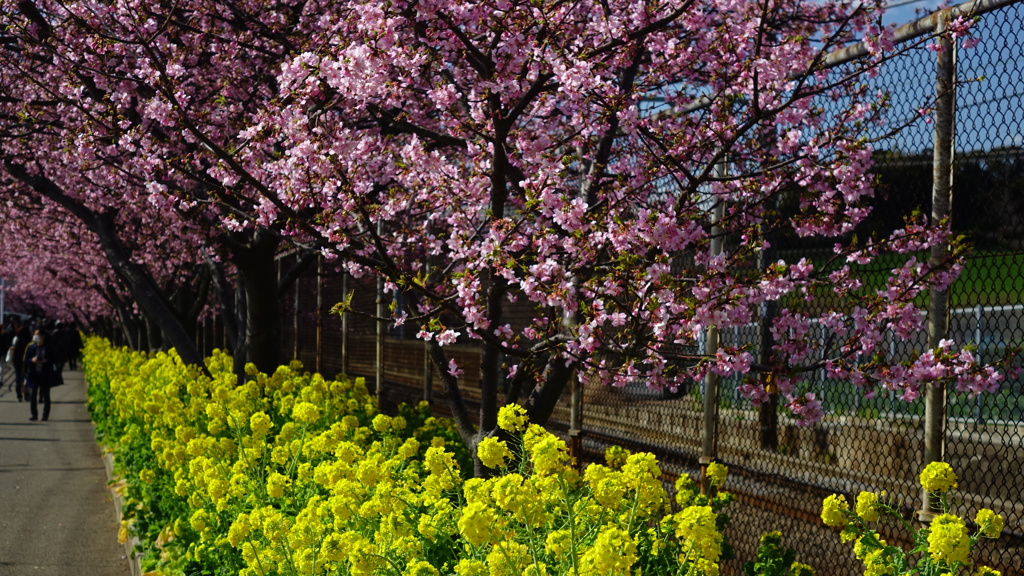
(154, 341)
(239, 323)
(226, 298)
(260, 320)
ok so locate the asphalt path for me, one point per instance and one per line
(56, 514)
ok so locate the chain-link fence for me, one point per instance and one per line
(780, 470)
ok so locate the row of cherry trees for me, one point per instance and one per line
(582, 156)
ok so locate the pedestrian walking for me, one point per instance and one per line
(6, 354)
(19, 343)
(75, 346)
(39, 374)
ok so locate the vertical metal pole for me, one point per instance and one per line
(892, 358)
(344, 324)
(979, 409)
(709, 447)
(428, 371)
(942, 199)
(3, 320)
(295, 318)
(576, 421)
(319, 314)
(428, 375)
(380, 329)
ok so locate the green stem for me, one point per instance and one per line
(256, 555)
(572, 527)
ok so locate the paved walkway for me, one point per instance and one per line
(56, 515)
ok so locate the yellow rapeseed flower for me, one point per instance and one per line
(512, 418)
(260, 424)
(381, 423)
(686, 490)
(276, 484)
(834, 510)
(409, 448)
(558, 543)
(948, 539)
(613, 551)
(549, 455)
(467, 567)
(990, 524)
(239, 530)
(420, 568)
(476, 523)
(507, 558)
(493, 453)
(799, 569)
(867, 506)
(199, 520)
(306, 412)
(716, 474)
(615, 456)
(938, 477)
(696, 525)
(605, 484)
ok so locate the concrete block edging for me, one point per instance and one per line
(134, 560)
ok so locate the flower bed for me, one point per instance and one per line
(294, 474)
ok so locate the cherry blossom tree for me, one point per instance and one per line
(54, 268)
(83, 82)
(620, 168)
(619, 165)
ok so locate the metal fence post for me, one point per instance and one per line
(576, 421)
(428, 368)
(344, 324)
(379, 368)
(979, 310)
(296, 300)
(709, 447)
(319, 314)
(942, 195)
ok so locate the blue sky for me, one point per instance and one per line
(904, 11)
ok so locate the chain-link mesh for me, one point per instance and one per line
(781, 471)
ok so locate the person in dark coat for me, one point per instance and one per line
(59, 342)
(19, 343)
(6, 336)
(39, 373)
(75, 346)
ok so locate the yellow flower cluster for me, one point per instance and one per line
(948, 539)
(990, 524)
(716, 474)
(949, 542)
(876, 557)
(938, 477)
(696, 525)
(834, 511)
(614, 551)
(512, 418)
(493, 452)
(867, 506)
(290, 474)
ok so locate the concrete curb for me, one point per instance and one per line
(134, 560)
